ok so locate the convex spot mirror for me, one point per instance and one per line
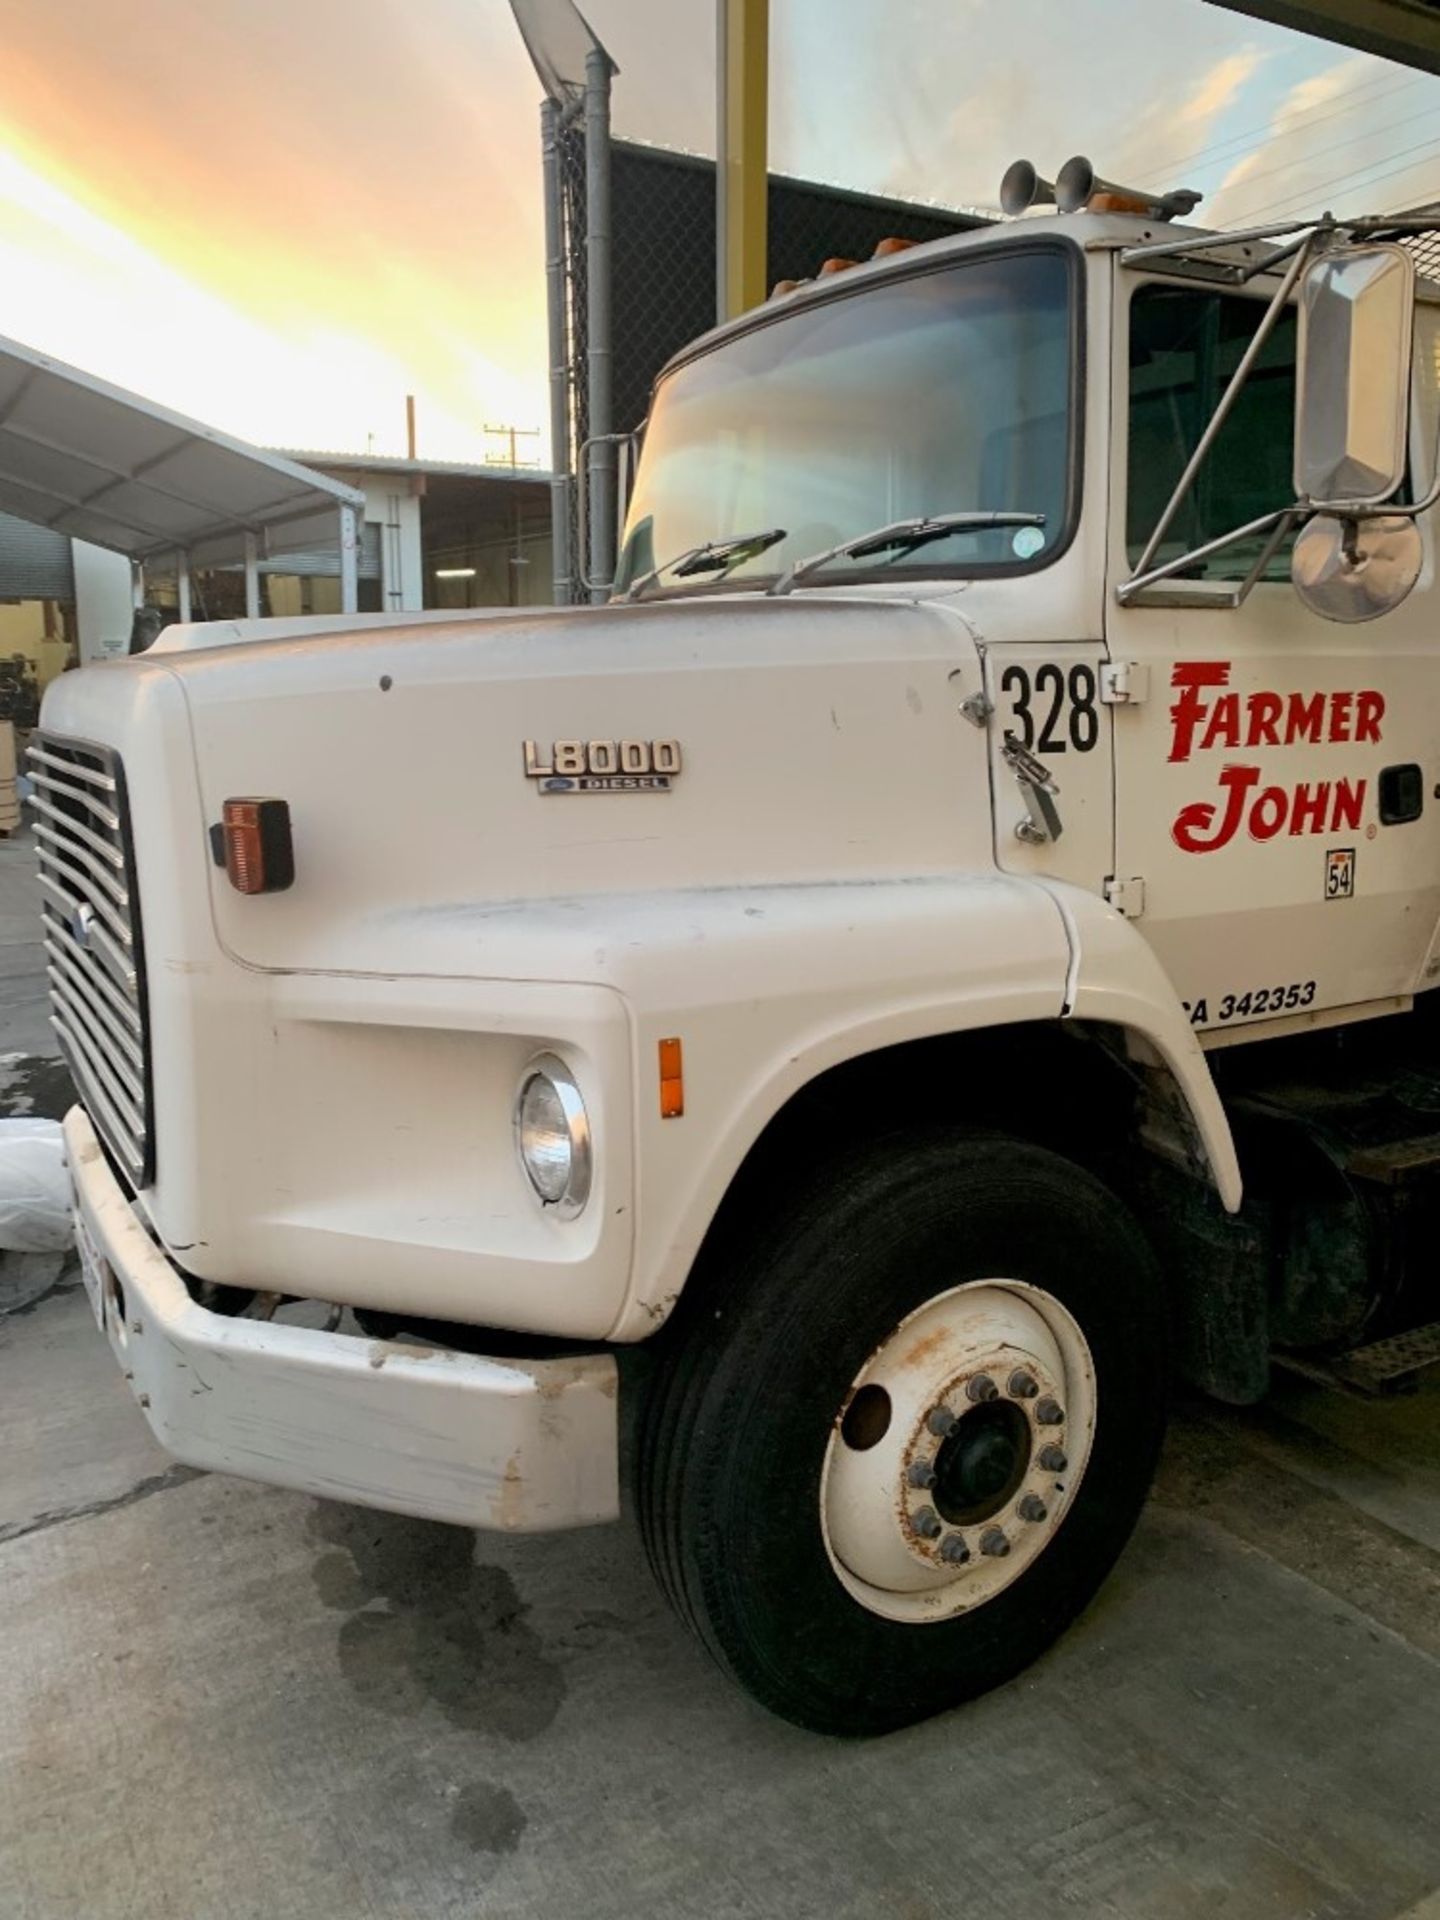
(1353, 570)
(1357, 309)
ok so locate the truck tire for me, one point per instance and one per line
(903, 1431)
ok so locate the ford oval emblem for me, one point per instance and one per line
(81, 922)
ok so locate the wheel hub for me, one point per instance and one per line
(958, 1450)
(981, 1462)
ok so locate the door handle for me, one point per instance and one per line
(1042, 822)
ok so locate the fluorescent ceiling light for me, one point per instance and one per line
(454, 573)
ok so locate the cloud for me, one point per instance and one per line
(84, 290)
(1336, 135)
(343, 172)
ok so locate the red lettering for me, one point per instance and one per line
(1307, 815)
(1193, 820)
(1224, 727)
(1348, 803)
(1340, 715)
(1305, 718)
(1188, 677)
(1268, 814)
(1263, 711)
(1369, 711)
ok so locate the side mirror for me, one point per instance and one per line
(1352, 402)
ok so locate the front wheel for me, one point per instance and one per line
(902, 1438)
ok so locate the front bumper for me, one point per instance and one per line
(526, 1446)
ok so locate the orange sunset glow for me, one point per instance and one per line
(280, 219)
(282, 216)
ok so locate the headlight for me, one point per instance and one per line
(552, 1133)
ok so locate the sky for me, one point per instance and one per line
(282, 216)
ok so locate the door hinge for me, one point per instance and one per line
(1124, 683)
(1126, 896)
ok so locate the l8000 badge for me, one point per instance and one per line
(604, 766)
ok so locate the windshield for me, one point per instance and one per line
(940, 393)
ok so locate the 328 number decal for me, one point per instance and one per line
(1054, 710)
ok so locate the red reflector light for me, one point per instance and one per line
(259, 850)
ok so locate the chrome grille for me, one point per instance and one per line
(93, 952)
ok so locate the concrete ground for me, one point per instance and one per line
(218, 1701)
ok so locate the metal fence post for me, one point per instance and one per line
(560, 583)
(349, 558)
(252, 578)
(600, 565)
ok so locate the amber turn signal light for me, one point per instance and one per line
(259, 849)
(672, 1080)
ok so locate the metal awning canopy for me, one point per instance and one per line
(1403, 30)
(90, 460)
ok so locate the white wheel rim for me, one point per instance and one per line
(994, 1374)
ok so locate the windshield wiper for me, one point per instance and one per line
(713, 556)
(901, 537)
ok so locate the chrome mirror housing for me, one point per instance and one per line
(1357, 307)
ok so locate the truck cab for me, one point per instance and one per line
(808, 1040)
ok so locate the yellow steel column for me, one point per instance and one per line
(743, 73)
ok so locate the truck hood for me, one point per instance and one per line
(818, 742)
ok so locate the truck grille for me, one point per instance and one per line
(93, 952)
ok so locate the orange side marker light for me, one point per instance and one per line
(672, 1080)
(259, 848)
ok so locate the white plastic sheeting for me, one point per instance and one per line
(35, 1201)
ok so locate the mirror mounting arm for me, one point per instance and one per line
(1373, 510)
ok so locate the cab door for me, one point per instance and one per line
(1276, 774)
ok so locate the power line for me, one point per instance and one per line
(1356, 178)
(1370, 133)
(1312, 117)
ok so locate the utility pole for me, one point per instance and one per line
(511, 435)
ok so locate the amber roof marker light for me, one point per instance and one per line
(259, 845)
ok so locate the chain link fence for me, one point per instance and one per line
(663, 246)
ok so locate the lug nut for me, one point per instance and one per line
(982, 1388)
(1022, 1385)
(954, 1550)
(993, 1542)
(941, 1421)
(921, 1474)
(1049, 1412)
(1052, 1459)
(1032, 1507)
(927, 1523)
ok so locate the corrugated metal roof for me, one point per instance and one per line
(331, 462)
(90, 460)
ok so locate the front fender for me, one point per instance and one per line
(1116, 979)
(768, 988)
(782, 984)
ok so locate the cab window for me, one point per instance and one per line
(1184, 346)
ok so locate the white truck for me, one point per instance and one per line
(807, 1042)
